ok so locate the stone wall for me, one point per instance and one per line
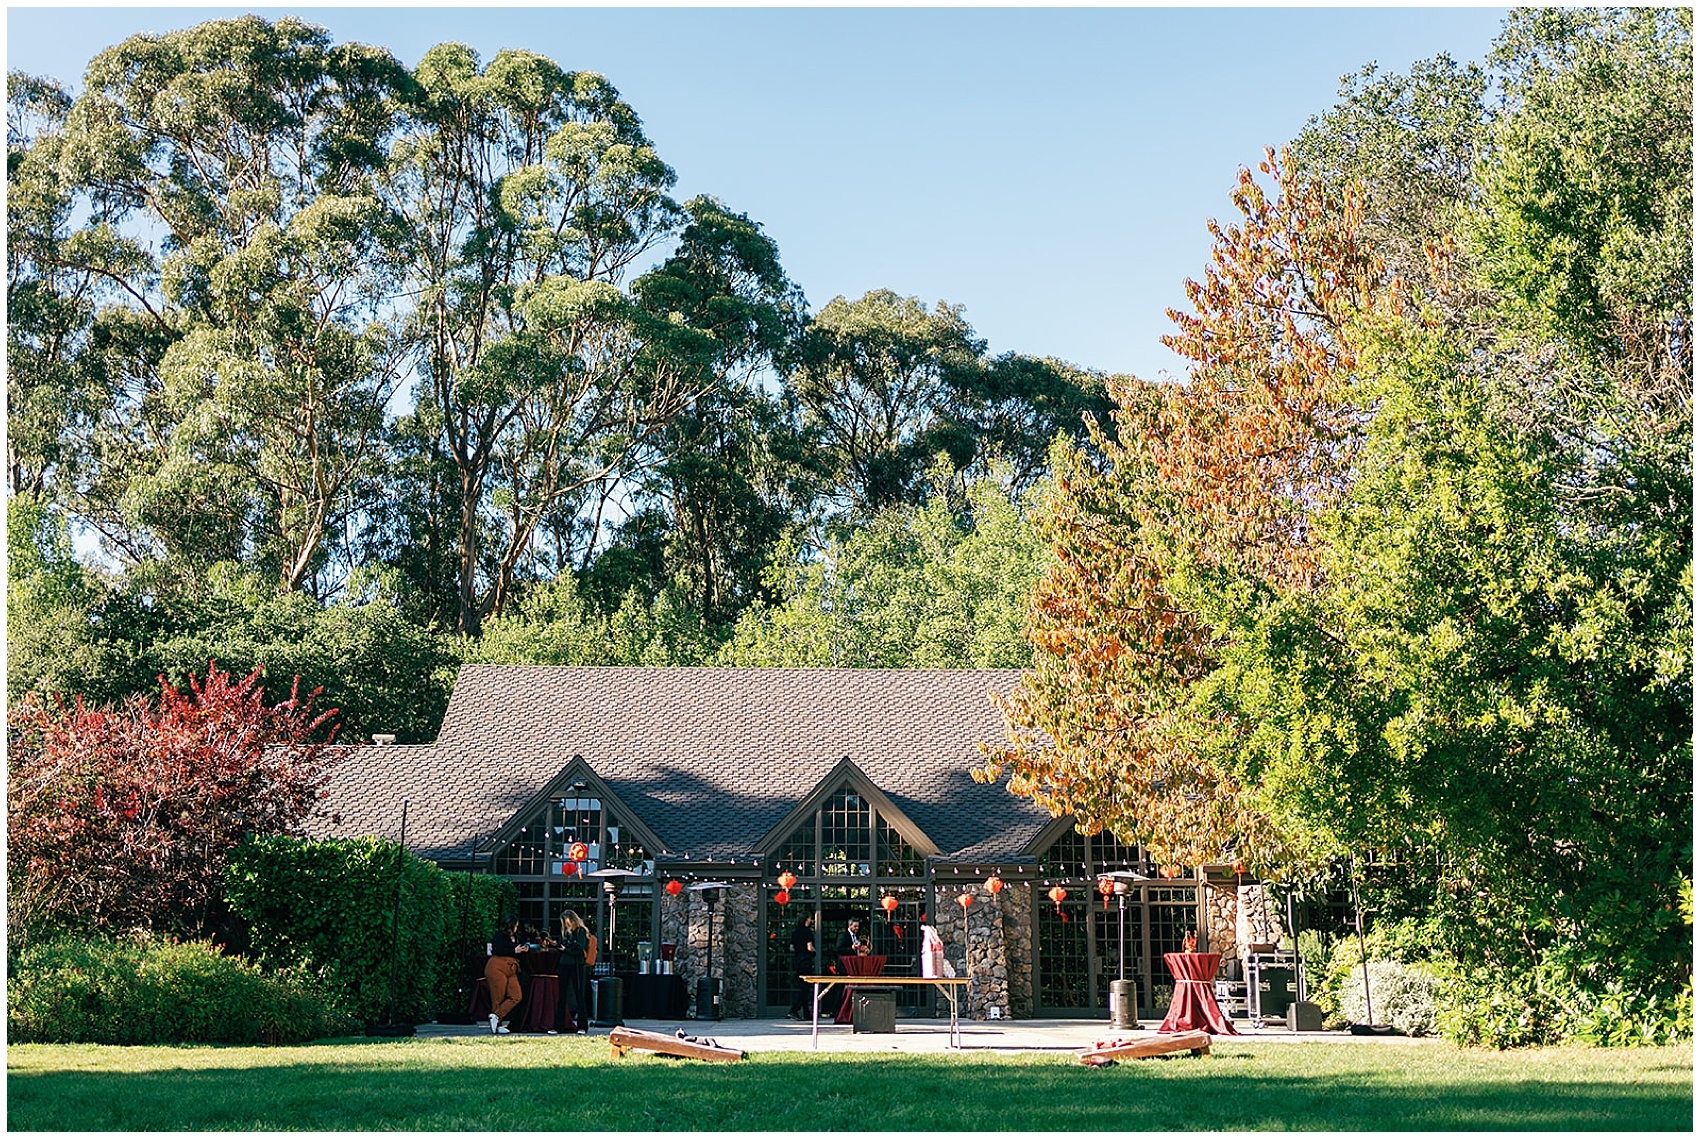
(997, 953)
(737, 944)
(1221, 914)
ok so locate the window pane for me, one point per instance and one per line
(846, 834)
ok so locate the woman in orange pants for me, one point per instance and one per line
(502, 973)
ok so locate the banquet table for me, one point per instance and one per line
(655, 996)
(864, 965)
(1194, 1006)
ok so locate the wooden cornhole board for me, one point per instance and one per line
(625, 1039)
(1197, 1043)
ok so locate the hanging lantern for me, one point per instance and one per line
(993, 885)
(1167, 871)
(888, 903)
(1106, 887)
(569, 868)
(1239, 866)
(965, 899)
(783, 897)
(787, 880)
(674, 887)
(578, 852)
(1057, 894)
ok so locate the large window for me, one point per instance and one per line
(846, 858)
(538, 860)
(1084, 944)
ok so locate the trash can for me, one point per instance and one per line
(873, 1010)
(708, 998)
(609, 1000)
(1124, 999)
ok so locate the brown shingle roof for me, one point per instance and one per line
(709, 758)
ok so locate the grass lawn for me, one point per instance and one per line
(489, 1084)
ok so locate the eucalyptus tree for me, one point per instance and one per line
(526, 192)
(230, 165)
(883, 385)
(871, 378)
(730, 475)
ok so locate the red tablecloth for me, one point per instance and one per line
(1194, 1005)
(871, 965)
(542, 987)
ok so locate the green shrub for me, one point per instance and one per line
(332, 907)
(142, 990)
(1399, 995)
(1477, 1008)
(476, 903)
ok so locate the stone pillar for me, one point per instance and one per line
(996, 953)
(739, 937)
(1257, 922)
(1018, 943)
(1221, 914)
(737, 943)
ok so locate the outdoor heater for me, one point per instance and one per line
(609, 1000)
(1124, 1000)
(708, 985)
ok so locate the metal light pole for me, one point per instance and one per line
(395, 916)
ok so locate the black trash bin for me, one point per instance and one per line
(873, 1010)
(608, 998)
(708, 998)
(1124, 999)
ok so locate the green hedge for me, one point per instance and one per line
(330, 906)
(148, 991)
(476, 903)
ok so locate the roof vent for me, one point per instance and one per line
(383, 740)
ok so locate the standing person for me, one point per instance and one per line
(850, 943)
(802, 961)
(502, 972)
(573, 1014)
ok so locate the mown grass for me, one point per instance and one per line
(488, 1084)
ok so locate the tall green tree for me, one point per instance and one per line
(247, 146)
(525, 192)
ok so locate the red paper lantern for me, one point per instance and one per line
(787, 880)
(1168, 871)
(888, 903)
(1239, 867)
(1057, 894)
(578, 852)
(965, 899)
(674, 887)
(569, 868)
(993, 885)
(783, 897)
(1106, 887)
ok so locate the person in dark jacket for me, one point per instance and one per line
(802, 962)
(573, 1013)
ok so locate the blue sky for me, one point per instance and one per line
(1049, 169)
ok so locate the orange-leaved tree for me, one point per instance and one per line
(1202, 500)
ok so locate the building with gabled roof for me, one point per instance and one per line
(854, 781)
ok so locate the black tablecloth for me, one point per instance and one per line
(655, 996)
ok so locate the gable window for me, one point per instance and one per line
(846, 857)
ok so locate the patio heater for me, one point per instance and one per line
(609, 997)
(1124, 1000)
(708, 985)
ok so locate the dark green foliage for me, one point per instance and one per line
(332, 907)
(476, 903)
(145, 990)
